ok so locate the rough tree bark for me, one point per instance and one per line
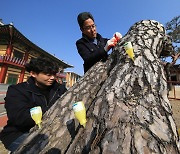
(127, 106)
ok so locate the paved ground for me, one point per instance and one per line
(3, 89)
(3, 117)
(176, 112)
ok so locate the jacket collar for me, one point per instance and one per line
(90, 39)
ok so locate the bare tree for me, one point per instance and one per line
(126, 101)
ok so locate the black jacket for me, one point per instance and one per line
(19, 100)
(90, 52)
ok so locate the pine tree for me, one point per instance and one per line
(126, 103)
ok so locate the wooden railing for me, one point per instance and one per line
(12, 60)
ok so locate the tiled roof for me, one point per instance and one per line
(10, 33)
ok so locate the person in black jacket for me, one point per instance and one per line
(92, 47)
(41, 89)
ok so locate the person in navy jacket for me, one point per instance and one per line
(92, 47)
(41, 89)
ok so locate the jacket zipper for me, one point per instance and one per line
(45, 97)
(45, 100)
(40, 95)
(53, 95)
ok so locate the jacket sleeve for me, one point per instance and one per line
(18, 107)
(89, 56)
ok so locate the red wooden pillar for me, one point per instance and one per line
(4, 67)
(9, 49)
(23, 69)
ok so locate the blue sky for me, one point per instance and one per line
(52, 24)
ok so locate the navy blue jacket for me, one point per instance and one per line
(90, 52)
(19, 100)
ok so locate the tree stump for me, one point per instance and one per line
(126, 103)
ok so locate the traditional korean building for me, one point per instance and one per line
(175, 73)
(15, 51)
(71, 79)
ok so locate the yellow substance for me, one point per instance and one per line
(179, 131)
(80, 112)
(129, 50)
(36, 114)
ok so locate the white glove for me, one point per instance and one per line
(118, 36)
(110, 43)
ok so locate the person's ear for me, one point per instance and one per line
(33, 74)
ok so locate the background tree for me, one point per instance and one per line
(173, 30)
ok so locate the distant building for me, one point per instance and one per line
(15, 51)
(175, 74)
(71, 79)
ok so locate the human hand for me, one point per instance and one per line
(110, 43)
(118, 36)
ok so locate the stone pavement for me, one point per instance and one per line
(3, 117)
(3, 150)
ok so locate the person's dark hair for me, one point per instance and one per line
(82, 17)
(42, 65)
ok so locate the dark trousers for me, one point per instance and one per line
(15, 144)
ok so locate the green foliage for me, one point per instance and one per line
(173, 30)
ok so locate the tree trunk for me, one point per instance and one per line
(126, 102)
